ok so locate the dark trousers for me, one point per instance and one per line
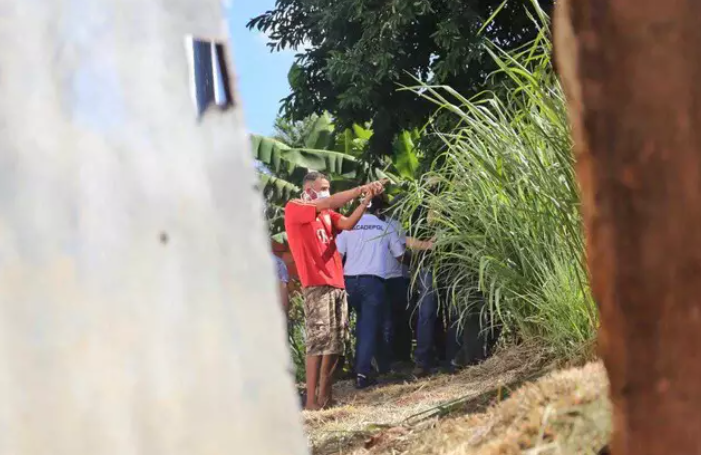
(397, 328)
(479, 339)
(368, 298)
(426, 325)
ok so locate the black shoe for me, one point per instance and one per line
(392, 375)
(452, 368)
(449, 370)
(384, 371)
(403, 366)
(421, 372)
(363, 382)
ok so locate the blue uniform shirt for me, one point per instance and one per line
(368, 246)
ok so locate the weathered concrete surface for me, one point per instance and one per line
(631, 71)
(137, 306)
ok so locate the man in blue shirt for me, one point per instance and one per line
(366, 248)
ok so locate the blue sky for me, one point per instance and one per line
(261, 76)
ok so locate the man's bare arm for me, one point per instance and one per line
(338, 200)
(418, 245)
(347, 223)
(372, 190)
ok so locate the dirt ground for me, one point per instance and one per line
(515, 403)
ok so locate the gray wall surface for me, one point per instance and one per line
(138, 312)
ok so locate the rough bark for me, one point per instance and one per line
(138, 312)
(633, 80)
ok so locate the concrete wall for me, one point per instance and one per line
(137, 302)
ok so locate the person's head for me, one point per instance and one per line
(378, 204)
(394, 206)
(315, 186)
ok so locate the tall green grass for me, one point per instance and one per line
(505, 206)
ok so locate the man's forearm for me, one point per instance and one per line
(349, 222)
(418, 245)
(338, 200)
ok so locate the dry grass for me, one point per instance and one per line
(474, 412)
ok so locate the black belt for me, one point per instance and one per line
(355, 277)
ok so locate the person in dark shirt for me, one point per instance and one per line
(421, 244)
(397, 326)
(397, 332)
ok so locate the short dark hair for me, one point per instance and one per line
(313, 177)
(378, 204)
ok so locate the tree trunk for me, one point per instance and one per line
(632, 73)
(138, 312)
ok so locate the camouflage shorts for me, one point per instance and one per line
(326, 320)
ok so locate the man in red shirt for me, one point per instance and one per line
(312, 226)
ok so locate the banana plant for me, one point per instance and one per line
(281, 158)
(315, 145)
(285, 159)
(405, 158)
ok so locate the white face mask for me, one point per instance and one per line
(319, 195)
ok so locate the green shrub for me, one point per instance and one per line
(505, 204)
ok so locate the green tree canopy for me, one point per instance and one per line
(355, 53)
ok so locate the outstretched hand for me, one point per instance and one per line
(367, 198)
(374, 188)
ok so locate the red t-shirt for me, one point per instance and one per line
(312, 239)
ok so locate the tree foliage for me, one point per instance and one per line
(354, 54)
(315, 131)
